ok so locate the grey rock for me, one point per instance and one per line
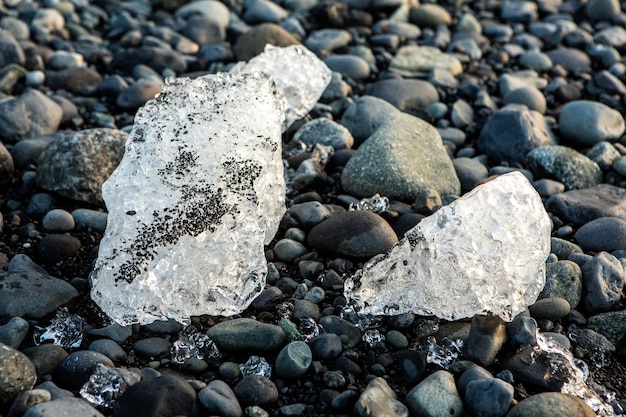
(547, 187)
(474, 373)
(592, 341)
(583, 206)
(288, 250)
(551, 308)
(55, 392)
(529, 96)
(32, 295)
(522, 331)
(40, 203)
(152, 347)
(219, 399)
(611, 325)
(430, 15)
(470, 172)
(488, 397)
(247, 334)
(253, 42)
(538, 370)
(326, 346)
(45, 358)
(167, 395)
(155, 57)
(487, 335)
(256, 390)
(404, 156)
(268, 299)
(564, 164)
(93, 219)
(327, 40)
(26, 400)
(564, 280)
(29, 115)
(13, 332)
(405, 94)
(572, 59)
(293, 360)
(355, 234)
(428, 201)
(262, 11)
(78, 80)
(56, 247)
(551, 403)
(76, 166)
(341, 327)
(7, 166)
(603, 279)
(365, 116)
(519, 11)
(512, 132)
(76, 368)
(435, 396)
(462, 114)
(536, 60)
(58, 220)
(619, 165)
(67, 406)
(138, 93)
(164, 327)
(602, 9)
(309, 214)
(586, 123)
(378, 399)
(325, 132)
(109, 348)
(603, 234)
(350, 66)
(18, 373)
(524, 78)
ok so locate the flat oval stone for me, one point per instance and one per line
(293, 360)
(356, 234)
(586, 123)
(585, 205)
(218, 398)
(603, 234)
(436, 395)
(77, 367)
(247, 334)
(551, 308)
(18, 373)
(65, 406)
(163, 396)
(551, 404)
(406, 95)
(421, 60)
(564, 164)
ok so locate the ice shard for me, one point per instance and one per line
(299, 75)
(198, 193)
(481, 254)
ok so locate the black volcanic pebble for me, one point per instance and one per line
(164, 396)
(77, 367)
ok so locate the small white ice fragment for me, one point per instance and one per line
(376, 204)
(105, 385)
(484, 253)
(256, 365)
(443, 353)
(193, 344)
(309, 328)
(65, 330)
(373, 337)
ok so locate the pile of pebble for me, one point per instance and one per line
(534, 86)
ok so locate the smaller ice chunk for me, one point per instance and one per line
(309, 328)
(373, 338)
(484, 253)
(193, 344)
(65, 330)
(256, 365)
(105, 385)
(299, 75)
(443, 353)
(375, 204)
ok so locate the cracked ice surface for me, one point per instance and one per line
(198, 193)
(299, 75)
(482, 254)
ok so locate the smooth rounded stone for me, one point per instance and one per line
(341, 327)
(40, 203)
(214, 10)
(337, 89)
(268, 299)
(45, 357)
(325, 132)
(109, 348)
(583, 206)
(564, 164)
(591, 340)
(603, 234)
(324, 41)
(112, 86)
(519, 11)
(365, 116)
(522, 331)
(378, 399)
(18, 373)
(404, 156)
(157, 397)
(204, 30)
(551, 308)
(536, 60)
(76, 368)
(462, 114)
(430, 15)
(611, 325)
(59, 60)
(253, 42)
(619, 165)
(406, 94)
(551, 404)
(164, 327)
(256, 390)
(152, 347)
(351, 66)
(22, 263)
(305, 308)
(58, 220)
(488, 397)
(438, 111)
(606, 83)
(293, 360)
(586, 123)
(546, 372)
(557, 339)
(603, 279)
(66, 406)
(34, 295)
(48, 19)
(486, 337)
(315, 295)
(435, 396)
(263, 11)
(26, 400)
(547, 187)
(326, 346)
(396, 339)
(474, 373)
(288, 250)
(92, 219)
(470, 172)
(247, 334)
(563, 280)
(421, 60)
(529, 96)
(10, 50)
(7, 166)
(602, 9)
(13, 332)
(138, 93)
(574, 60)
(512, 132)
(158, 58)
(16, 27)
(29, 115)
(56, 247)
(55, 391)
(355, 234)
(412, 365)
(219, 399)
(77, 165)
(76, 80)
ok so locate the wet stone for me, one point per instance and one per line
(551, 308)
(163, 396)
(487, 335)
(603, 234)
(436, 395)
(13, 332)
(586, 123)
(489, 397)
(585, 205)
(152, 347)
(66, 406)
(73, 371)
(564, 164)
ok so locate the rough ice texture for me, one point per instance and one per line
(299, 75)
(199, 191)
(482, 254)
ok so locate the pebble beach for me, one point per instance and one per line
(535, 87)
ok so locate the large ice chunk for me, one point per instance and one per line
(483, 253)
(199, 191)
(299, 75)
